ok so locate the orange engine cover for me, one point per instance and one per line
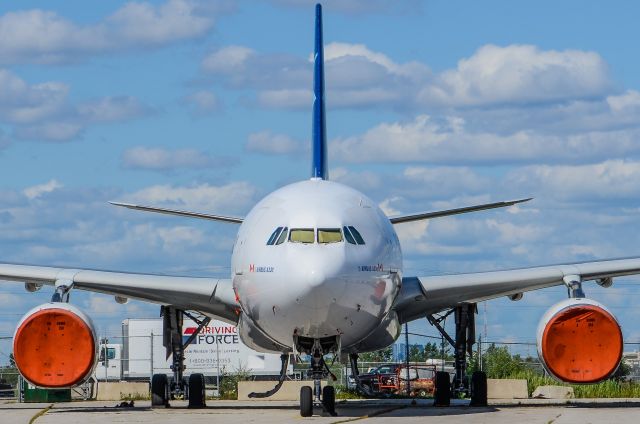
(580, 341)
(54, 346)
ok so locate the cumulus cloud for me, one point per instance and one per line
(611, 179)
(359, 77)
(40, 189)
(43, 111)
(448, 140)
(273, 144)
(231, 197)
(161, 159)
(203, 102)
(24, 103)
(40, 36)
(519, 74)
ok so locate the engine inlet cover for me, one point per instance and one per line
(580, 341)
(55, 346)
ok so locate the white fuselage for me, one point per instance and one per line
(316, 289)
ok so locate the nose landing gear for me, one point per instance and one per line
(324, 397)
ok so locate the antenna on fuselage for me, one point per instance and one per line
(319, 127)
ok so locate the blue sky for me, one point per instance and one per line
(206, 106)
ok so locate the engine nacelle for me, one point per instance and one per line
(55, 346)
(579, 341)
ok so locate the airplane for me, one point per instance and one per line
(316, 269)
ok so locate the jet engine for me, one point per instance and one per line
(55, 346)
(579, 341)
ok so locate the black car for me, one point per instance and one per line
(371, 380)
(7, 390)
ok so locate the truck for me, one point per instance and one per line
(216, 350)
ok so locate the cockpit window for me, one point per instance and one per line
(348, 236)
(274, 236)
(302, 235)
(356, 235)
(329, 235)
(283, 236)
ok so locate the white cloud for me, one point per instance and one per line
(39, 36)
(161, 159)
(450, 141)
(23, 103)
(111, 109)
(520, 74)
(50, 131)
(43, 111)
(273, 144)
(203, 102)
(356, 76)
(204, 197)
(227, 60)
(611, 179)
(36, 191)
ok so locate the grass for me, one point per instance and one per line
(604, 389)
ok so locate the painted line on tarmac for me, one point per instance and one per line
(371, 415)
(40, 413)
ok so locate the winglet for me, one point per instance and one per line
(319, 161)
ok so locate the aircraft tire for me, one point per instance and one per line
(329, 399)
(442, 395)
(197, 391)
(306, 401)
(478, 389)
(159, 391)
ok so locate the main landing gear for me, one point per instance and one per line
(353, 358)
(465, 338)
(162, 390)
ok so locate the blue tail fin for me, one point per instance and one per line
(319, 164)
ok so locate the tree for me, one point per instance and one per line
(432, 351)
(416, 353)
(382, 355)
(498, 363)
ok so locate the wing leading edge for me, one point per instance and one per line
(457, 211)
(211, 217)
(208, 295)
(421, 296)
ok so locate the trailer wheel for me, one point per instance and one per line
(329, 400)
(196, 391)
(306, 401)
(159, 391)
(478, 389)
(442, 393)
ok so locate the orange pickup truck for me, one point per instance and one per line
(421, 381)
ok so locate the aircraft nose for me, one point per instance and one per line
(315, 277)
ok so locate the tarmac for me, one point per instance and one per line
(578, 411)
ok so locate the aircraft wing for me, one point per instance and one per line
(420, 296)
(208, 295)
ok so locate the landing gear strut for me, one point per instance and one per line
(353, 358)
(465, 338)
(324, 397)
(194, 388)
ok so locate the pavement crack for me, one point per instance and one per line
(553, 420)
(40, 413)
(371, 415)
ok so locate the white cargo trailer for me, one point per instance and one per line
(215, 350)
